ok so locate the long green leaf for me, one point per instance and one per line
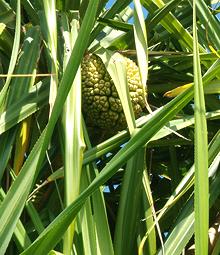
(163, 12)
(184, 225)
(140, 36)
(125, 238)
(117, 7)
(25, 106)
(96, 227)
(74, 143)
(121, 138)
(116, 66)
(171, 24)
(13, 55)
(51, 43)
(20, 235)
(150, 216)
(210, 22)
(27, 65)
(19, 87)
(201, 153)
(49, 237)
(57, 227)
(13, 203)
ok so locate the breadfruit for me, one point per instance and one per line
(102, 107)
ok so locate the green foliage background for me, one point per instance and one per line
(68, 188)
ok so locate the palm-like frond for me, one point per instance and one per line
(70, 188)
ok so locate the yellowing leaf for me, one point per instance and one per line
(175, 92)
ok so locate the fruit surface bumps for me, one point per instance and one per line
(101, 104)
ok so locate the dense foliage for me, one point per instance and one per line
(72, 182)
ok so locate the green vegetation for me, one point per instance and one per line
(109, 127)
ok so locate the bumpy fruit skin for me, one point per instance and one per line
(101, 104)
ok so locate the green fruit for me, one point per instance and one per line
(101, 104)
